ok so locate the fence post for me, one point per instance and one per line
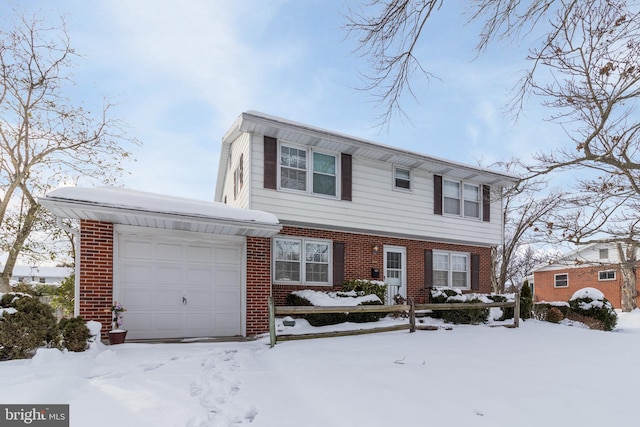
(412, 316)
(272, 322)
(516, 311)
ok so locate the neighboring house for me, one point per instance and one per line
(296, 207)
(39, 275)
(594, 265)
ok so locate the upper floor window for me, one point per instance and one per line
(299, 260)
(561, 280)
(402, 178)
(294, 165)
(324, 174)
(293, 168)
(451, 269)
(604, 253)
(461, 199)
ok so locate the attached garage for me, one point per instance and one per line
(178, 266)
(174, 285)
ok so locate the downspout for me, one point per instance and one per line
(76, 281)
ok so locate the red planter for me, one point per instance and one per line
(117, 337)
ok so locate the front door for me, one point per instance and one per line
(395, 272)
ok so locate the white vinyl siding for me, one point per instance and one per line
(236, 188)
(297, 261)
(374, 206)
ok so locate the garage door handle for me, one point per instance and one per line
(184, 300)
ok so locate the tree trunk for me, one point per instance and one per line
(14, 251)
(628, 270)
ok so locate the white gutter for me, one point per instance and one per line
(76, 279)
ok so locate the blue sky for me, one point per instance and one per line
(181, 72)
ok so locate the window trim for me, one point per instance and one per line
(409, 180)
(555, 280)
(606, 279)
(461, 199)
(309, 170)
(450, 271)
(302, 263)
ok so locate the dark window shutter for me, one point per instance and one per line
(338, 263)
(345, 161)
(437, 194)
(270, 163)
(486, 203)
(428, 268)
(475, 272)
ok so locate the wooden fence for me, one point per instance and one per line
(410, 308)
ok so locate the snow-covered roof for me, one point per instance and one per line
(131, 207)
(277, 127)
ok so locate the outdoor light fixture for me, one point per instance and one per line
(375, 250)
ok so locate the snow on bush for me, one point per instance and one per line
(328, 299)
(591, 302)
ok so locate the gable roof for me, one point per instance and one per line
(143, 209)
(276, 127)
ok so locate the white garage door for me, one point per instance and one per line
(174, 285)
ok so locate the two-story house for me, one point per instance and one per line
(296, 207)
(595, 265)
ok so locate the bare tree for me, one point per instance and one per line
(526, 208)
(45, 140)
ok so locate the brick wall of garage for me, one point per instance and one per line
(359, 260)
(96, 272)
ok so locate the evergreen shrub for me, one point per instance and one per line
(75, 334)
(591, 302)
(468, 317)
(33, 325)
(367, 287)
(526, 301)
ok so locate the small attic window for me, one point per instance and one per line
(604, 253)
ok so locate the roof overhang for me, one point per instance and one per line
(128, 207)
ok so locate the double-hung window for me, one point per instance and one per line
(451, 269)
(401, 178)
(293, 168)
(324, 174)
(461, 199)
(298, 260)
(295, 164)
(561, 280)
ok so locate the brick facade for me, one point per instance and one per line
(96, 272)
(359, 260)
(97, 262)
(578, 278)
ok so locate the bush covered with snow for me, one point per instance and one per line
(367, 287)
(75, 334)
(591, 302)
(325, 299)
(26, 324)
(470, 316)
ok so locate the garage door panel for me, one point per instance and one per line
(137, 273)
(228, 256)
(200, 276)
(157, 271)
(169, 275)
(137, 249)
(168, 299)
(202, 254)
(227, 278)
(226, 301)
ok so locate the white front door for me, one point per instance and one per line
(395, 271)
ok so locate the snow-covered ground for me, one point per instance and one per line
(541, 374)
